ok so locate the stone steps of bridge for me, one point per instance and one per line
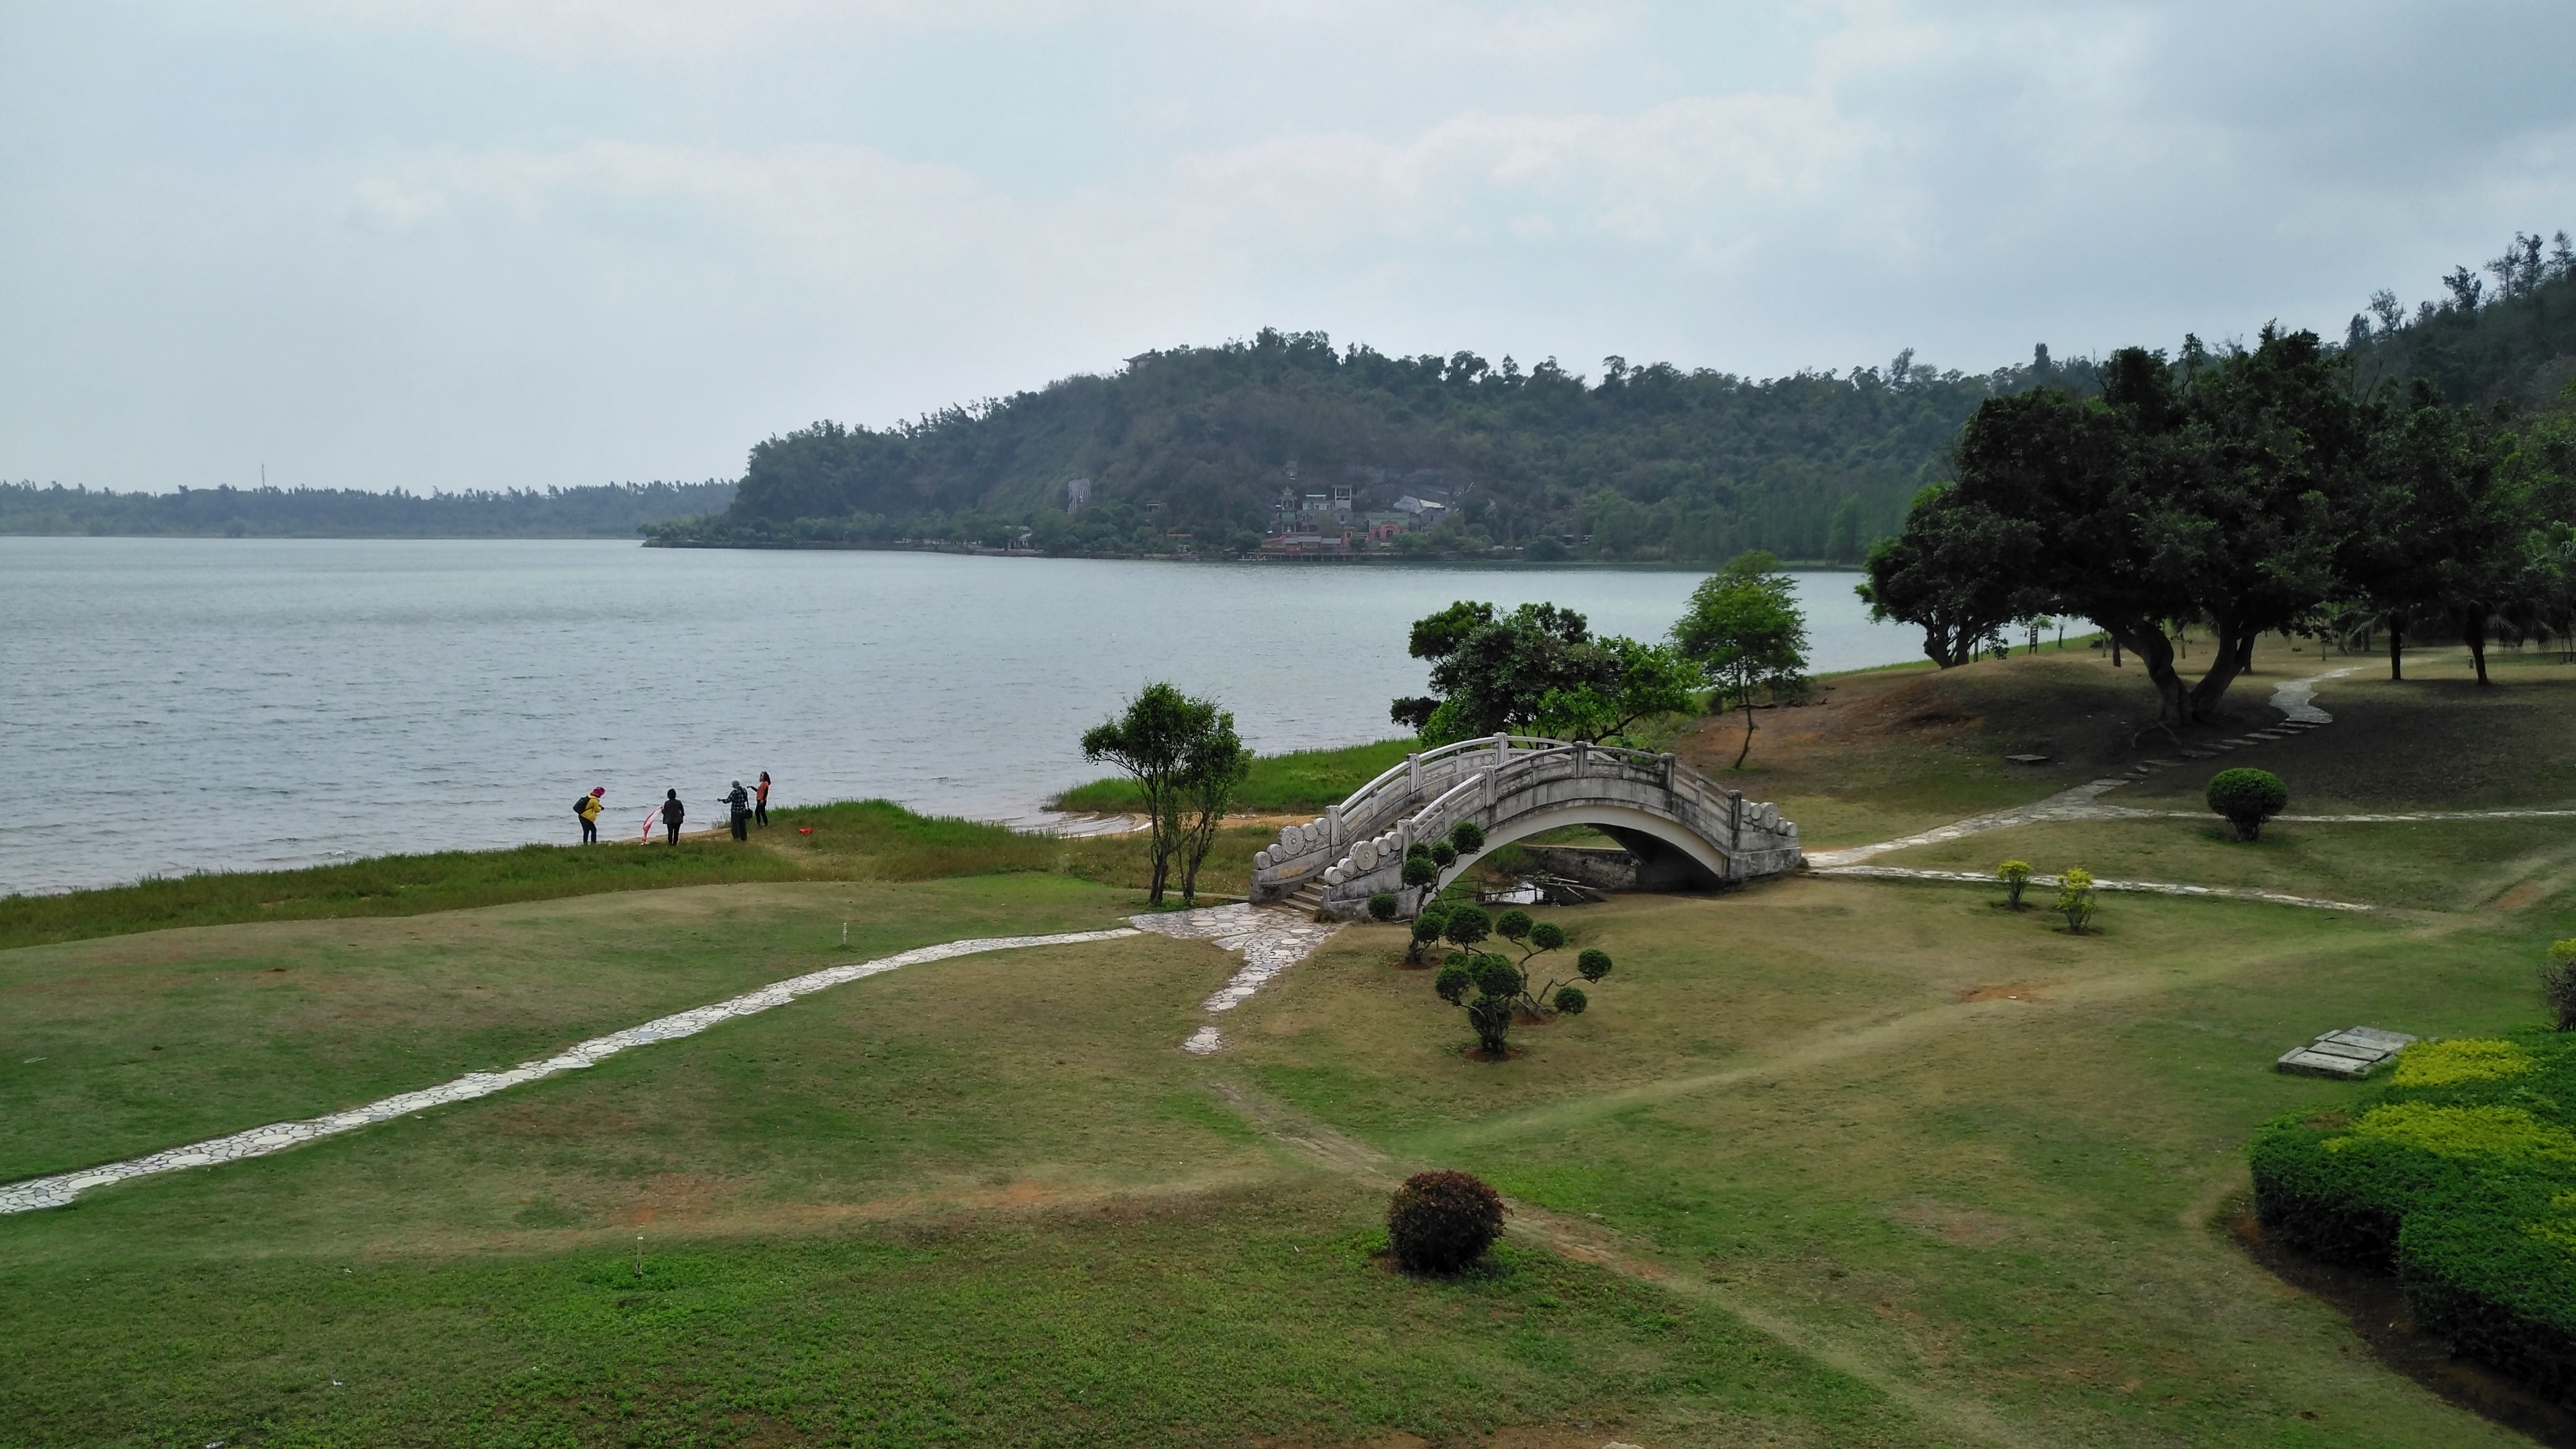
(1308, 899)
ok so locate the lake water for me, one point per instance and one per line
(191, 704)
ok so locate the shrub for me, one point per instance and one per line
(1419, 871)
(2459, 1177)
(2075, 898)
(1594, 965)
(1547, 936)
(1439, 1222)
(1468, 925)
(1514, 925)
(2247, 798)
(1497, 976)
(1571, 1000)
(1382, 906)
(1452, 983)
(1467, 837)
(2558, 984)
(2015, 874)
(1442, 856)
(1426, 934)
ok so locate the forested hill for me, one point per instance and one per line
(1651, 462)
(1639, 463)
(607, 510)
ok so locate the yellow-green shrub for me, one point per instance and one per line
(2471, 1059)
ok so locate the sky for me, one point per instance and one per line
(532, 243)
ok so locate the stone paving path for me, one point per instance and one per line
(1271, 938)
(55, 1191)
(2295, 698)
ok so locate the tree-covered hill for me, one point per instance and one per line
(1641, 463)
(1650, 462)
(608, 510)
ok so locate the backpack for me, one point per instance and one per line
(580, 808)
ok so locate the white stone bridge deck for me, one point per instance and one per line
(1683, 828)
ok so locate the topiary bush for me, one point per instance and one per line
(1467, 837)
(1570, 1000)
(1468, 925)
(1382, 906)
(1439, 1222)
(2248, 798)
(1419, 871)
(1594, 965)
(2459, 1177)
(1442, 855)
(1426, 934)
(1453, 983)
(2558, 984)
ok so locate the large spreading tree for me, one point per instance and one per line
(1537, 668)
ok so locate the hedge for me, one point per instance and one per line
(2459, 1178)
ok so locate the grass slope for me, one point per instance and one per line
(1295, 783)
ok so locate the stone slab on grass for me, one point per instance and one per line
(2351, 1053)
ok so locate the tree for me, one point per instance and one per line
(2439, 528)
(1213, 766)
(2211, 488)
(1746, 635)
(2558, 984)
(1645, 680)
(1959, 572)
(1174, 748)
(2075, 898)
(1495, 673)
(2015, 874)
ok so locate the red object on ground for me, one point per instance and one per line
(804, 829)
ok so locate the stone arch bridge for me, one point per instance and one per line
(1683, 828)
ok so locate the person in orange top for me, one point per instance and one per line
(760, 800)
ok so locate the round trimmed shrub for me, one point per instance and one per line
(1439, 1222)
(2248, 798)
(1382, 906)
(1452, 983)
(1497, 976)
(1570, 1000)
(1547, 935)
(1468, 925)
(1467, 837)
(1514, 924)
(1419, 871)
(1594, 965)
(1442, 856)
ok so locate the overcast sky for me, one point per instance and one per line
(511, 243)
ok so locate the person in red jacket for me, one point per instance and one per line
(760, 800)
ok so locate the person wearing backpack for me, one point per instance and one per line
(673, 812)
(586, 809)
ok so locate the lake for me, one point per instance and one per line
(197, 704)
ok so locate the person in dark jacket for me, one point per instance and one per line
(673, 812)
(740, 800)
(760, 800)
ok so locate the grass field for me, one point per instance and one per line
(1300, 782)
(1829, 1162)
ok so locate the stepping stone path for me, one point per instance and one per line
(1270, 938)
(55, 1191)
(2350, 1053)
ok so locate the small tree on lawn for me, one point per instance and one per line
(2558, 984)
(1536, 938)
(1746, 635)
(1213, 766)
(1427, 929)
(1151, 741)
(2075, 898)
(2015, 874)
(2248, 798)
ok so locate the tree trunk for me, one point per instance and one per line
(2245, 653)
(2156, 652)
(2473, 629)
(1748, 732)
(2115, 649)
(2396, 650)
(2235, 651)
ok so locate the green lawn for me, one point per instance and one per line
(1828, 1162)
(1300, 782)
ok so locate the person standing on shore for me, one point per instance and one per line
(589, 808)
(673, 812)
(760, 801)
(740, 800)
